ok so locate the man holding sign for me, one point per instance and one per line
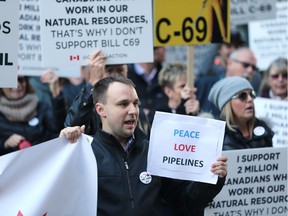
(121, 149)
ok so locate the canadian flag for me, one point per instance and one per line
(52, 178)
(74, 57)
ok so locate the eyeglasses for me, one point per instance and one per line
(242, 96)
(246, 65)
(276, 76)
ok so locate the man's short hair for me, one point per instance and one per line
(100, 88)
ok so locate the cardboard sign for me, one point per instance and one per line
(243, 12)
(275, 113)
(9, 25)
(256, 184)
(191, 22)
(184, 147)
(71, 30)
(268, 39)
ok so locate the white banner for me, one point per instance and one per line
(71, 30)
(52, 178)
(256, 184)
(185, 147)
(275, 114)
(9, 13)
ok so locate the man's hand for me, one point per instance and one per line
(52, 79)
(192, 107)
(72, 133)
(220, 167)
(96, 67)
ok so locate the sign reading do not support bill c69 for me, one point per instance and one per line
(71, 30)
(191, 22)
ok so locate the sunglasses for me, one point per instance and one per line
(242, 96)
(276, 76)
(246, 65)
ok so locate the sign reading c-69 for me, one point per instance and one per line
(185, 22)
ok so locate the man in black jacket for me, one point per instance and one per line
(121, 149)
(82, 109)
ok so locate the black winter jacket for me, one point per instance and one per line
(120, 191)
(262, 137)
(39, 129)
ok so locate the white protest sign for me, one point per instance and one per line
(29, 34)
(29, 54)
(9, 12)
(274, 112)
(184, 147)
(256, 184)
(71, 30)
(52, 178)
(268, 39)
(243, 12)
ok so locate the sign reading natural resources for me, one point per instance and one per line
(71, 30)
(275, 113)
(9, 28)
(256, 184)
(184, 147)
(191, 22)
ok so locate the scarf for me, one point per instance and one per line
(20, 110)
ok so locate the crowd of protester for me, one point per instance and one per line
(227, 92)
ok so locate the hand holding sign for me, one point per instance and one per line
(188, 149)
(96, 66)
(220, 166)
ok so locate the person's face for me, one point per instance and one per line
(175, 92)
(278, 82)
(116, 70)
(244, 65)
(243, 105)
(159, 54)
(225, 50)
(16, 93)
(120, 114)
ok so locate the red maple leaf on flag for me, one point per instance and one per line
(74, 58)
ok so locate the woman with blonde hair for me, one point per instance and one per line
(234, 96)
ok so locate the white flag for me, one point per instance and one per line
(53, 178)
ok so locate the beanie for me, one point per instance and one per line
(223, 90)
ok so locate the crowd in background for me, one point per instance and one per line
(116, 105)
(160, 85)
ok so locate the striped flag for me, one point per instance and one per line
(52, 178)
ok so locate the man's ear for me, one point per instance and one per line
(99, 107)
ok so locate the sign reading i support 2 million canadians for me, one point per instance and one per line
(71, 30)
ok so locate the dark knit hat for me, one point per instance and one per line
(223, 90)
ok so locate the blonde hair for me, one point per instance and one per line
(170, 73)
(228, 115)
